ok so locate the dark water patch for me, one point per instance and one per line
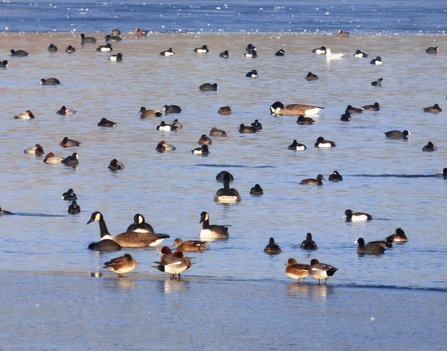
(232, 166)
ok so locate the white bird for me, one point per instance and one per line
(331, 56)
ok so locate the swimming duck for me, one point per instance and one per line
(116, 58)
(323, 143)
(272, 248)
(305, 120)
(3, 63)
(397, 134)
(85, 39)
(165, 127)
(115, 31)
(50, 81)
(212, 231)
(435, 109)
(72, 160)
(162, 147)
(168, 52)
(121, 265)
(252, 74)
(296, 146)
(70, 49)
(376, 61)
(399, 236)
(342, 34)
(360, 54)
(224, 110)
(189, 245)
(65, 111)
(104, 122)
(309, 244)
(370, 248)
(35, 150)
(174, 265)
(334, 56)
(24, 115)
(208, 87)
(73, 208)
(221, 175)
(280, 52)
(202, 50)
(19, 53)
(429, 147)
(256, 190)
(112, 38)
(345, 117)
(432, 50)
(217, 132)
(149, 113)
(106, 243)
(4, 212)
(351, 109)
(320, 271)
(320, 51)
(51, 159)
(310, 76)
(203, 150)
(377, 83)
(296, 270)
(251, 51)
(374, 107)
(357, 216)
(105, 48)
(312, 181)
(256, 125)
(139, 225)
(69, 195)
(115, 165)
(52, 48)
(140, 33)
(444, 172)
(246, 129)
(277, 109)
(171, 109)
(335, 177)
(224, 54)
(205, 140)
(387, 242)
(227, 194)
(69, 142)
(250, 48)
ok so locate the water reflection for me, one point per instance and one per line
(170, 284)
(314, 291)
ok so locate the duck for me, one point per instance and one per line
(217, 132)
(224, 110)
(227, 194)
(115, 165)
(165, 253)
(309, 244)
(256, 125)
(139, 225)
(305, 120)
(352, 109)
(162, 147)
(189, 245)
(373, 107)
(387, 242)
(140, 33)
(105, 48)
(176, 124)
(69, 195)
(35, 150)
(324, 144)
(310, 76)
(69, 142)
(65, 111)
(72, 160)
(342, 34)
(112, 38)
(360, 54)
(52, 48)
(51, 159)
(224, 54)
(104, 122)
(435, 108)
(208, 87)
(212, 231)
(165, 127)
(250, 51)
(121, 265)
(246, 129)
(256, 190)
(4, 212)
(280, 52)
(168, 52)
(24, 115)
(107, 243)
(370, 248)
(397, 134)
(335, 177)
(202, 150)
(296, 270)
(171, 109)
(73, 208)
(377, 83)
(332, 56)
(320, 51)
(50, 81)
(85, 39)
(252, 74)
(70, 49)
(205, 140)
(116, 58)
(296, 146)
(432, 50)
(3, 64)
(345, 117)
(115, 31)
(320, 271)
(250, 48)
(444, 173)
(202, 50)
(149, 113)
(312, 181)
(377, 61)
(277, 109)
(429, 147)
(399, 236)
(221, 175)
(18, 53)
(272, 248)
(357, 216)
(174, 265)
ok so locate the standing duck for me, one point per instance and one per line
(121, 265)
(320, 271)
(296, 270)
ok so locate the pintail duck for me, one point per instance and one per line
(435, 109)
(203, 150)
(167, 109)
(72, 160)
(174, 265)
(52, 48)
(189, 245)
(221, 175)
(112, 38)
(149, 113)
(115, 165)
(116, 58)
(35, 150)
(360, 54)
(224, 110)
(305, 120)
(377, 61)
(324, 144)
(168, 52)
(24, 115)
(296, 270)
(73, 208)
(320, 51)
(320, 271)
(85, 39)
(310, 76)
(432, 50)
(309, 244)
(370, 248)
(357, 216)
(227, 194)
(65, 111)
(278, 109)
(351, 109)
(205, 140)
(256, 190)
(105, 48)
(342, 34)
(51, 159)
(429, 147)
(280, 52)
(335, 177)
(296, 146)
(246, 129)
(312, 181)
(162, 147)
(252, 74)
(69, 195)
(397, 134)
(104, 122)
(208, 87)
(70, 49)
(121, 265)
(224, 54)
(202, 50)
(69, 142)
(217, 132)
(374, 107)
(50, 81)
(345, 117)
(18, 53)
(272, 248)
(107, 243)
(212, 231)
